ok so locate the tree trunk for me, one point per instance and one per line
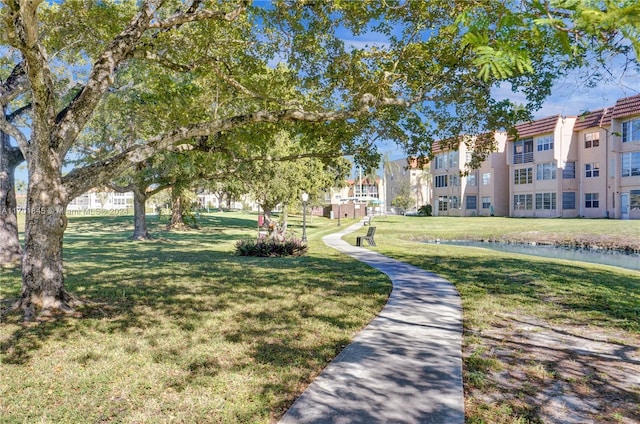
(10, 250)
(177, 209)
(139, 214)
(42, 266)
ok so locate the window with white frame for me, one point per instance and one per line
(471, 202)
(486, 178)
(486, 202)
(440, 161)
(631, 164)
(472, 179)
(546, 201)
(569, 170)
(634, 200)
(544, 143)
(441, 180)
(454, 180)
(591, 200)
(522, 202)
(568, 200)
(455, 202)
(546, 171)
(453, 159)
(631, 130)
(592, 170)
(591, 140)
(523, 176)
(443, 203)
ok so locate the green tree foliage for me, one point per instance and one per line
(206, 70)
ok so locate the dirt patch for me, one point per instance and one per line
(550, 373)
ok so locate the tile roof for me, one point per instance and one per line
(540, 126)
(596, 118)
(627, 106)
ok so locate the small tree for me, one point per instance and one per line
(403, 199)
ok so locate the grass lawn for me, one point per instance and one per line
(509, 300)
(181, 330)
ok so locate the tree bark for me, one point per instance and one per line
(140, 231)
(10, 249)
(177, 209)
(42, 266)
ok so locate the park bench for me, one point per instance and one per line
(368, 238)
(367, 220)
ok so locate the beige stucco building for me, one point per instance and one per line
(557, 167)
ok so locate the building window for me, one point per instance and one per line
(544, 143)
(441, 161)
(592, 170)
(453, 159)
(631, 130)
(634, 199)
(546, 171)
(486, 178)
(631, 164)
(546, 201)
(441, 180)
(569, 200)
(569, 170)
(454, 180)
(472, 202)
(455, 202)
(443, 204)
(472, 180)
(591, 140)
(522, 202)
(591, 200)
(486, 202)
(523, 151)
(523, 176)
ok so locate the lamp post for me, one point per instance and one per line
(339, 206)
(305, 197)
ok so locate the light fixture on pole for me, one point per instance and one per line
(305, 197)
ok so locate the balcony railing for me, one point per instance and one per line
(522, 158)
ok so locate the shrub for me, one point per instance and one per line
(425, 210)
(266, 247)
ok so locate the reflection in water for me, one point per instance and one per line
(599, 256)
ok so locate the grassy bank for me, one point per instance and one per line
(510, 299)
(179, 329)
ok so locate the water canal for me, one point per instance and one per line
(600, 256)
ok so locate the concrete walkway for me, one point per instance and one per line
(405, 366)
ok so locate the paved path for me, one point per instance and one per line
(405, 366)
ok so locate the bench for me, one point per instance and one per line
(367, 220)
(368, 238)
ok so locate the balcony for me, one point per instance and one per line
(522, 158)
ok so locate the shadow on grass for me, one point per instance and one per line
(179, 295)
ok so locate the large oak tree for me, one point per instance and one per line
(429, 77)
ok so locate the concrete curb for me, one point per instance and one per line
(405, 366)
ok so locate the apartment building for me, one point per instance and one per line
(459, 190)
(542, 169)
(581, 166)
(557, 167)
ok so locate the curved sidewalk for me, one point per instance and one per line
(405, 366)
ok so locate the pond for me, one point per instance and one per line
(600, 256)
